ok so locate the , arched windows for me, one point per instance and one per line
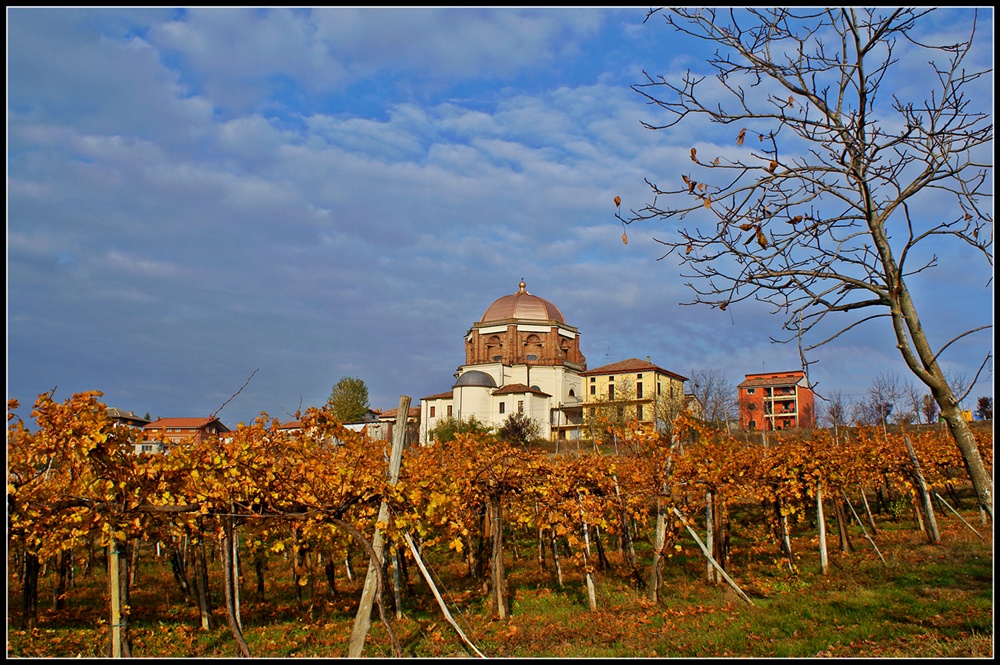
(532, 347)
(494, 348)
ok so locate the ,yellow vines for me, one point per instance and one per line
(72, 479)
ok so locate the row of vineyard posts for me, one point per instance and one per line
(314, 495)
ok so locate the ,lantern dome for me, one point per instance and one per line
(523, 306)
(520, 357)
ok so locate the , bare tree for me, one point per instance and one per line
(913, 401)
(836, 412)
(865, 412)
(984, 407)
(880, 401)
(666, 409)
(840, 185)
(960, 384)
(929, 408)
(905, 417)
(717, 395)
(884, 394)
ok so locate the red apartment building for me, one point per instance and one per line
(775, 401)
(166, 433)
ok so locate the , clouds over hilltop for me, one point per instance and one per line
(197, 194)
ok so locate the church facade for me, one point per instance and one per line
(520, 357)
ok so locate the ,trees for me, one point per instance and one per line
(884, 395)
(520, 428)
(349, 400)
(716, 394)
(836, 410)
(847, 191)
(984, 407)
(666, 410)
(929, 408)
(912, 400)
(449, 427)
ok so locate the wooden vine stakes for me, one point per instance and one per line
(362, 621)
(494, 517)
(591, 595)
(116, 610)
(933, 535)
(708, 555)
(553, 542)
(948, 506)
(201, 581)
(236, 576)
(628, 548)
(118, 574)
(540, 537)
(437, 594)
(863, 529)
(821, 521)
(397, 582)
(711, 574)
(659, 541)
(231, 584)
(785, 537)
(715, 533)
(868, 510)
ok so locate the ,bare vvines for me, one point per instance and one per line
(827, 200)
